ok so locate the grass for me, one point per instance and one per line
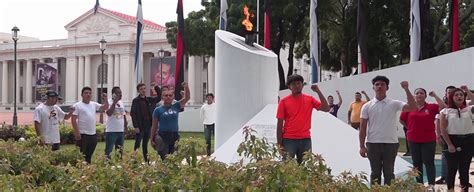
(129, 144)
(403, 147)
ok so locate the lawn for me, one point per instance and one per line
(403, 147)
(129, 144)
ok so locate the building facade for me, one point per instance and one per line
(79, 58)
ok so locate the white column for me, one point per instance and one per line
(117, 70)
(125, 62)
(87, 71)
(71, 80)
(110, 73)
(192, 78)
(80, 75)
(4, 82)
(28, 87)
(211, 74)
(18, 83)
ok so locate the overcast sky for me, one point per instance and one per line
(45, 19)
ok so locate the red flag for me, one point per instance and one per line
(266, 38)
(454, 19)
(179, 71)
(362, 34)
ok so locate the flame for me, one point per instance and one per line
(246, 22)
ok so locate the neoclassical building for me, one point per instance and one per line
(79, 60)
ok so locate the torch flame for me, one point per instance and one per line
(246, 22)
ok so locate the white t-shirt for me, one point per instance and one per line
(208, 113)
(115, 122)
(459, 125)
(382, 117)
(49, 118)
(86, 118)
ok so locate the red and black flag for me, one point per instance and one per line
(454, 22)
(266, 37)
(362, 33)
(179, 72)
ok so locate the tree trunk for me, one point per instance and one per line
(290, 57)
(276, 50)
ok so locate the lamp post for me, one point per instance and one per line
(102, 46)
(15, 39)
(206, 60)
(161, 54)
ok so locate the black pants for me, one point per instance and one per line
(55, 147)
(87, 146)
(143, 135)
(382, 158)
(459, 160)
(423, 153)
(169, 138)
(208, 133)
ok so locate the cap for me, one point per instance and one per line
(160, 143)
(51, 94)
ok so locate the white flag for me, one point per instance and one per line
(415, 31)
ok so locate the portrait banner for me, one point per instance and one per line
(46, 79)
(165, 77)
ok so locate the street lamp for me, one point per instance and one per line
(102, 46)
(206, 60)
(161, 54)
(15, 39)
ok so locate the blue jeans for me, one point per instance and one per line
(113, 139)
(208, 133)
(296, 147)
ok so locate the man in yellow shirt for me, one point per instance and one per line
(353, 116)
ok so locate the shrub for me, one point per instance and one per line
(10, 132)
(25, 166)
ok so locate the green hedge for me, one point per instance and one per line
(25, 166)
(66, 132)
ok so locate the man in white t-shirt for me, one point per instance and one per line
(84, 120)
(47, 118)
(208, 115)
(378, 123)
(116, 123)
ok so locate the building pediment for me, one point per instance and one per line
(106, 20)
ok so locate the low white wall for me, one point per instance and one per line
(337, 142)
(431, 74)
(189, 120)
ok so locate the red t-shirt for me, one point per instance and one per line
(420, 124)
(296, 112)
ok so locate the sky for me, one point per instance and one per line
(45, 19)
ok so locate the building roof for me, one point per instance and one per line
(133, 20)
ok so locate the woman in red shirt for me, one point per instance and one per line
(421, 135)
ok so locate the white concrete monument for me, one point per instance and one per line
(246, 81)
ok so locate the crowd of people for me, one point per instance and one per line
(448, 122)
(154, 118)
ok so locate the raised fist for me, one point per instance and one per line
(404, 84)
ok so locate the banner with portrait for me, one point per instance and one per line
(46, 79)
(165, 77)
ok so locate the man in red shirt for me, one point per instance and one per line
(294, 118)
